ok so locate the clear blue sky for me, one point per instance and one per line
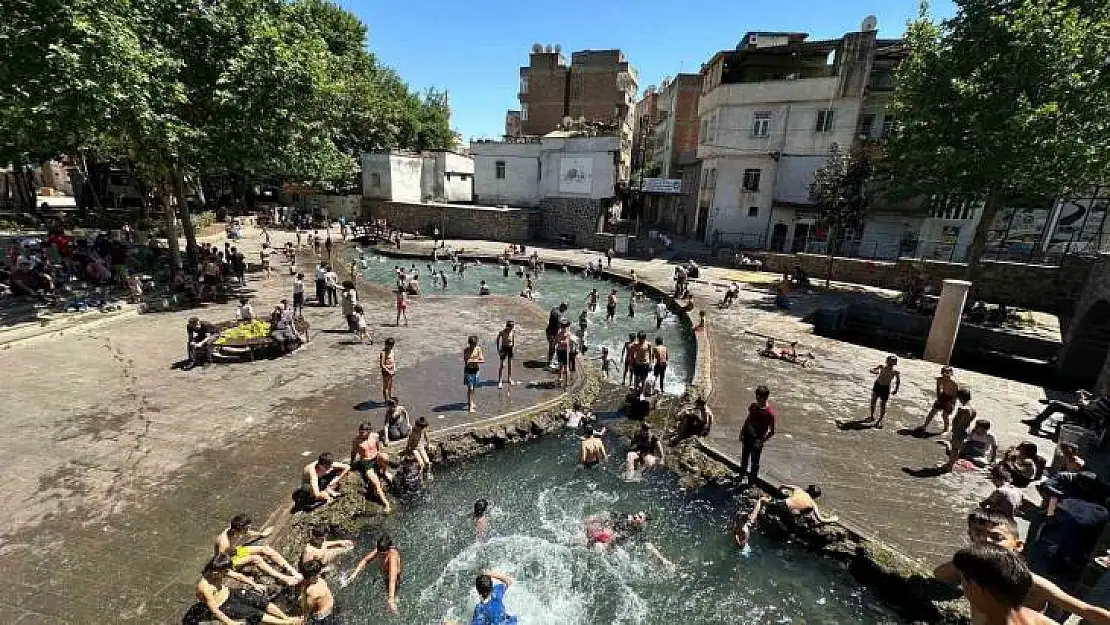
(473, 48)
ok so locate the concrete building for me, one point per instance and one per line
(770, 111)
(439, 176)
(512, 124)
(673, 147)
(598, 86)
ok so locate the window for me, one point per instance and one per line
(761, 127)
(704, 137)
(500, 170)
(705, 180)
(375, 180)
(713, 129)
(712, 178)
(824, 120)
(866, 123)
(751, 179)
(753, 211)
(524, 111)
(888, 126)
(524, 83)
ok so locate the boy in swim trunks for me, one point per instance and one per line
(317, 601)
(961, 425)
(945, 404)
(745, 520)
(563, 339)
(611, 306)
(390, 567)
(472, 360)
(235, 606)
(320, 549)
(387, 362)
(417, 445)
(368, 460)
(881, 390)
(606, 362)
(232, 542)
(506, 342)
(319, 482)
(591, 451)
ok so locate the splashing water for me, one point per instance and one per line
(538, 503)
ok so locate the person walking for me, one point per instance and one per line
(350, 301)
(331, 283)
(758, 428)
(321, 282)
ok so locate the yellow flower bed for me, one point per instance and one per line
(256, 329)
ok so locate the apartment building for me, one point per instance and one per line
(769, 112)
(598, 86)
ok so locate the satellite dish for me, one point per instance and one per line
(869, 24)
(536, 48)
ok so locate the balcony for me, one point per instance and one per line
(769, 91)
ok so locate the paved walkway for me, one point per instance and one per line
(860, 471)
(121, 469)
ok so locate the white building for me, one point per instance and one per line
(418, 177)
(524, 171)
(770, 111)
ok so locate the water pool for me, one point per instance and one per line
(538, 501)
(552, 287)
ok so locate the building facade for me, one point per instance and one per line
(597, 86)
(524, 171)
(439, 176)
(769, 112)
(671, 153)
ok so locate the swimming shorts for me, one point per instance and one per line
(881, 391)
(470, 380)
(506, 352)
(641, 369)
(660, 370)
(945, 403)
(245, 605)
(239, 556)
(563, 356)
(599, 534)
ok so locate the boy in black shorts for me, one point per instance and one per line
(881, 390)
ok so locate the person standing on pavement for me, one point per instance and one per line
(554, 322)
(758, 428)
(350, 300)
(331, 283)
(321, 282)
(472, 362)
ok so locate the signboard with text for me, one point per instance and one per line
(662, 185)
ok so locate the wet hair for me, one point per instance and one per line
(300, 276)
(813, 491)
(604, 350)
(472, 340)
(658, 340)
(1028, 448)
(311, 569)
(484, 585)
(945, 369)
(892, 359)
(631, 336)
(422, 422)
(963, 394)
(641, 336)
(1002, 473)
(243, 300)
(194, 320)
(762, 391)
(480, 508)
(1001, 573)
(385, 542)
(359, 310)
(389, 342)
(992, 518)
(563, 306)
(239, 522)
(391, 402)
(221, 562)
(325, 459)
(365, 425)
(981, 423)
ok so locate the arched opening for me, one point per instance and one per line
(1088, 348)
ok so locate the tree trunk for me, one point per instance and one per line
(186, 217)
(89, 183)
(141, 189)
(24, 197)
(991, 206)
(171, 229)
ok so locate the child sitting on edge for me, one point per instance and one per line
(417, 443)
(881, 390)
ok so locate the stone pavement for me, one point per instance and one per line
(860, 471)
(122, 469)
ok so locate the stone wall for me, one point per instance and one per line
(515, 225)
(1045, 288)
(577, 217)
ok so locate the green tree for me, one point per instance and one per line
(1009, 98)
(841, 190)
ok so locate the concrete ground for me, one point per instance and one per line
(122, 469)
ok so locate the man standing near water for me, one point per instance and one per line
(506, 340)
(758, 428)
(554, 322)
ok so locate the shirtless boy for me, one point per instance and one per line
(505, 342)
(387, 362)
(744, 521)
(317, 601)
(945, 404)
(985, 527)
(238, 606)
(802, 503)
(390, 559)
(643, 353)
(881, 390)
(319, 482)
(994, 580)
(591, 451)
(417, 445)
(627, 359)
(233, 543)
(320, 549)
(368, 459)
(611, 306)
